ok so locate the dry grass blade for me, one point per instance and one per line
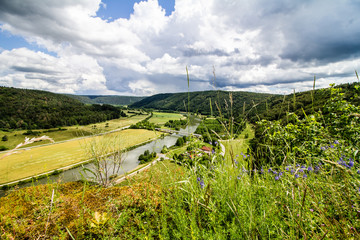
(27, 142)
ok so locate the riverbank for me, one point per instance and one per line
(45, 160)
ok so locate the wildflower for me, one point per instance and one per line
(323, 148)
(274, 172)
(213, 151)
(277, 177)
(304, 176)
(311, 210)
(310, 169)
(292, 171)
(210, 143)
(336, 142)
(358, 171)
(202, 184)
(287, 168)
(216, 143)
(351, 163)
(331, 146)
(244, 170)
(236, 162)
(269, 170)
(296, 176)
(297, 165)
(239, 177)
(262, 171)
(280, 173)
(303, 166)
(301, 170)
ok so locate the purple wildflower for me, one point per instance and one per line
(280, 173)
(301, 170)
(332, 146)
(277, 178)
(351, 162)
(216, 143)
(336, 142)
(239, 177)
(358, 171)
(304, 176)
(269, 170)
(310, 169)
(202, 184)
(311, 210)
(323, 148)
(296, 176)
(292, 171)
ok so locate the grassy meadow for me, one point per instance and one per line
(161, 118)
(41, 159)
(16, 136)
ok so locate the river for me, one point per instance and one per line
(129, 163)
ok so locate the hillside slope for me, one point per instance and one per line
(106, 99)
(32, 109)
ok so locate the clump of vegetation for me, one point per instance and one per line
(147, 157)
(145, 124)
(176, 124)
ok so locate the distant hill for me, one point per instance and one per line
(200, 102)
(257, 105)
(106, 99)
(34, 109)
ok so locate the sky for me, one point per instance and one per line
(141, 48)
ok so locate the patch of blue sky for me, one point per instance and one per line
(9, 42)
(115, 9)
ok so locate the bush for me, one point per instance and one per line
(3, 148)
(4, 138)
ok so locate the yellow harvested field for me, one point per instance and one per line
(36, 160)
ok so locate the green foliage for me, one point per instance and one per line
(303, 140)
(145, 124)
(176, 124)
(147, 157)
(34, 109)
(200, 102)
(179, 142)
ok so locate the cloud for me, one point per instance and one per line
(260, 45)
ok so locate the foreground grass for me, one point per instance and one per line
(168, 201)
(85, 211)
(16, 136)
(47, 158)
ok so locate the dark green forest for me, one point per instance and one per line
(34, 109)
(245, 105)
(206, 102)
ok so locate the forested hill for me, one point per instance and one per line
(204, 102)
(34, 109)
(257, 105)
(107, 99)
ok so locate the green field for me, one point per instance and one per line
(161, 118)
(239, 145)
(15, 137)
(47, 158)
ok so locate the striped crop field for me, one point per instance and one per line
(32, 161)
